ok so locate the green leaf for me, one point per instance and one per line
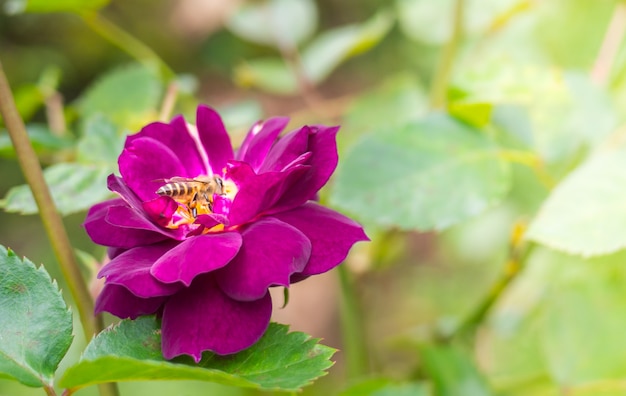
(584, 319)
(74, 187)
(36, 325)
(43, 141)
(477, 114)
(131, 351)
(386, 387)
(128, 96)
(319, 59)
(43, 6)
(452, 371)
(334, 46)
(585, 213)
(100, 143)
(426, 175)
(268, 74)
(400, 99)
(278, 23)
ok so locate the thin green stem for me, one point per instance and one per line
(49, 390)
(438, 92)
(518, 252)
(127, 42)
(355, 346)
(50, 217)
(531, 160)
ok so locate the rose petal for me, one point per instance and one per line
(286, 149)
(120, 302)
(146, 163)
(131, 269)
(177, 138)
(214, 138)
(323, 145)
(271, 251)
(104, 233)
(126, 217)
(331, 234)
(160, 210)
(202, 318)
(259, 139)
(258, 192)
(196, 255)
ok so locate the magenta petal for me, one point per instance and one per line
(120, 302)
(196, 255)
(259, 140)
(202, 318)
(272, 250)
(258, 192)
(160, 210)
(331, 234)
(286, 149)
(126, 217)
(323, 145)
(177, 138)
(145, 163)
(131, 269)
(214, 138)
(104, 233)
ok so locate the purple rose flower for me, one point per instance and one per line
(224, 227)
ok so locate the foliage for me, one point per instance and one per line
(497, 217)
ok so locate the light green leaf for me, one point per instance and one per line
(452, 371)
(100, 143)
(477, 114)
(386, 387)
(278, 23)
(431, 21)
(36, 325)
(334, 46)
(426, 175)
(129, 96)
(268, 74)
(74, 187)
(43, 6)
(131, 351)
(43, 141)
(583, 321)
(585, 214)
(400, 99)
(319, 59)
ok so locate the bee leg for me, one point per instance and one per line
(192, 205)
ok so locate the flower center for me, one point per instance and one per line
(202, 195)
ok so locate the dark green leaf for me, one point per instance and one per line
(100, 143)
(426, 175)
(43, 141)
(585, 214)
(452, 371)
(74, 187)
(128, 96)
(386, 387)
(334, 46)
(131, 351)
(36, 325)
(278, 23)
(78, 6)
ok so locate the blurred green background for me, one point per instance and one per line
(541, 81)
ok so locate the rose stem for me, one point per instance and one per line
(127, 43)
(357, 361)
(441, 79)
(518, 252)
(51, 219)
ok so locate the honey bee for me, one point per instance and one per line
(195, 193)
